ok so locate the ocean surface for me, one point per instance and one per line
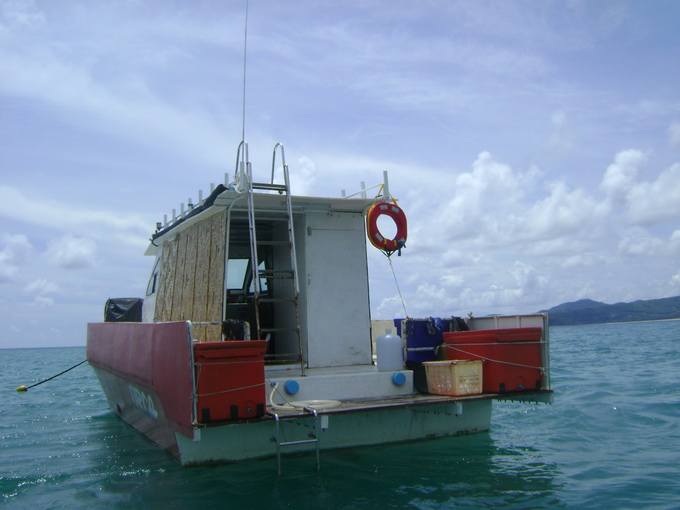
(610, 440)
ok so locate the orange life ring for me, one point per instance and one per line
(377, 239)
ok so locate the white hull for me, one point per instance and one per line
(241, 441)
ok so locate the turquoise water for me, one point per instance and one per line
(610, 440)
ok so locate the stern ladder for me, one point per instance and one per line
(290, 273)
(313, 438)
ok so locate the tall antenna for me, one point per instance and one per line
(245, 53)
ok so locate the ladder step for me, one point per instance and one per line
(277, 273)
(273, 243)
(277, 330)
(281, 188)
(277, 300)
(302, 441)
(282, 359)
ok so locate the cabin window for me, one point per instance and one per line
(153, 280)
(239, 277)
(237, 272)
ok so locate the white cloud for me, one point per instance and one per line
(72, 252)
(66, 217)
(639, 242)
(675, 280)
(15, 250)
(303, 176)
(41, 287)
(560, 140)
(674, 134)
(656, 201)
(41, 290)
(20, 14)
(619, 179)
(581, 260)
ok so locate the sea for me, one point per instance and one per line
(611, 439)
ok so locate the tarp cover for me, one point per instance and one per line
(123, 310)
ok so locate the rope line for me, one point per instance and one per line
(24, 388)
(229, 391)
(505, 344)
(542, 369)
(403, 304)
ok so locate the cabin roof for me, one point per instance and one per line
(222, 198)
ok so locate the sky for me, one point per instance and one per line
(533, 145)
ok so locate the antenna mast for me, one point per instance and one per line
(245, 52)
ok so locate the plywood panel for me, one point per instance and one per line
(186, 307)
(202, 276)
(176, 311)
(191, 282)
(166, 283)
(215, 284)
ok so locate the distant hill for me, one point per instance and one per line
(587, 311)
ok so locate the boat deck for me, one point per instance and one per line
(375, 404)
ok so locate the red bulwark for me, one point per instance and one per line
(229, 380)
(512, 357)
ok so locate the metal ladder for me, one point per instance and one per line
(290, 272)
(314, 438)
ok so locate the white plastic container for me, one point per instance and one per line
(390, 352)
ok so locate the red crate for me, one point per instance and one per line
(229, 380)
(512, 357)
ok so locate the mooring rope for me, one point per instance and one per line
(403, 304)
(24, 388)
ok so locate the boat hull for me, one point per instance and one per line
(155, 381)
(366, 427)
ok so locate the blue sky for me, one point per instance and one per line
(535, 146)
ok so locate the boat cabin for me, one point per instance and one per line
(254, 262)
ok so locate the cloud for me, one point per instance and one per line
(480, 204)
(100, 84)
(302, 176)
(639, 242)
(19, 14)
(645, 202)
(72, 252)
(674, 134)
(656, 201)
(560, 140)
(619, 178)
(41, 289)
(66, 217)
(16, 249)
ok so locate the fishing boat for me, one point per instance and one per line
(255, 338)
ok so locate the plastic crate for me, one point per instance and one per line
(229, 380)
(454, 377)
(512, 357)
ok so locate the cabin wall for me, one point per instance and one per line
(334, 288)
(191, 279)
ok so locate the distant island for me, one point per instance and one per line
(587, 311)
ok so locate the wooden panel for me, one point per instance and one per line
(186, 307)
(215, 283)
(180, 256)
(202, 277)
(166, 283)
(191, 282)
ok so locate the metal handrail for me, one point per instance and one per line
(283, 162)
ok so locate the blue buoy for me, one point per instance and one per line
(399, 378)
(291, 387)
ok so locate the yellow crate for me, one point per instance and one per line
(454, 377)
